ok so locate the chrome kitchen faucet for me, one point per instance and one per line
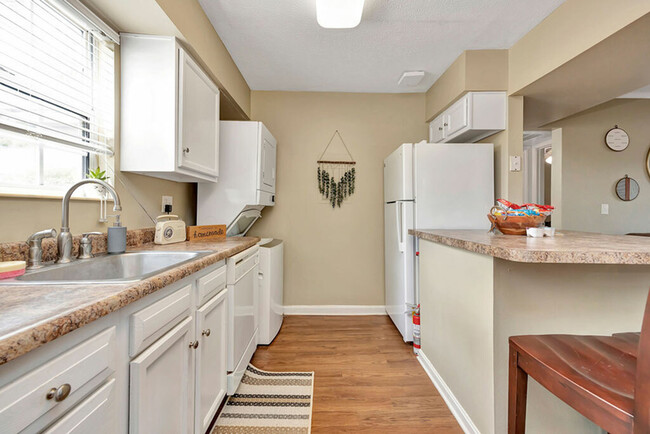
(64, 240)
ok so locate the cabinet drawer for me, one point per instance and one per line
(82, 368)
(241, 263)
(245, 266)
(95, 414)
(153, 321)
(210, 284)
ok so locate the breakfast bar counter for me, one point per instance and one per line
(566, 247)
(477, 289)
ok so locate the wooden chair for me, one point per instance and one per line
(605, 378)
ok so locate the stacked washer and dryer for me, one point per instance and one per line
(247, 173)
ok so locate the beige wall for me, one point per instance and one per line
(473, 70)
(457, 325)
(333, 256)
(468, 316)
(574, 27)
(509, 185)
(24, 216)
(589, 170)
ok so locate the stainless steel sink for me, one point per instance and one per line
(122, 268)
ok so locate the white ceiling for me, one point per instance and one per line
(278, 45)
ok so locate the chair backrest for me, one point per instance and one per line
(642, 385)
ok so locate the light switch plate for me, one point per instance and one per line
(604, 208)
(515, 163)
(166, 200)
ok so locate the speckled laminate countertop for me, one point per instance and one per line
(566, 247)
(31, 316)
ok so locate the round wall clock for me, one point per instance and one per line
(617, 139)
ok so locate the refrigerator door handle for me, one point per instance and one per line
(399, 209)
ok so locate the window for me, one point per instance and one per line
(56, 96)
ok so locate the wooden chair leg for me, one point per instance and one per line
(517, 390)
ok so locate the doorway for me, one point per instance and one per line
(538, 160)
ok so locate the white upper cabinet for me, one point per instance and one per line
(267, 161)
(169, 112)
(474, 116)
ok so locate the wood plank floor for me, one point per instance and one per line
(367, 378)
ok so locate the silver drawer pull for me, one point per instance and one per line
(60, 393)
(194, 344)
(206, 332)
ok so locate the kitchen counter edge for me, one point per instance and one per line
(566, 247)
(31, 336)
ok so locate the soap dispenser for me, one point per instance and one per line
(116, 237)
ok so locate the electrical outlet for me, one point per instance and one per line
(604, 208)
(166, 200)
(515, 163)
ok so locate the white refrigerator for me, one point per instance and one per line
(429, 186)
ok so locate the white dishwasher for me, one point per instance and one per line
(242, 280)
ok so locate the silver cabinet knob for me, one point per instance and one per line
(439, 128)
(446, 124)
(194, 344)
(186, 150)
(206, 332)
(59, 393)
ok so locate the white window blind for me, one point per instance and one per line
(56, 75)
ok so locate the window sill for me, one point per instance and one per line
(19, 193)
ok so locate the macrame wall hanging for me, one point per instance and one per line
(336, 177)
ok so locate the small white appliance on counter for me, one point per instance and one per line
(169, 229)
(270, 289)
(246, 178)
(429, 186)
(242, 281)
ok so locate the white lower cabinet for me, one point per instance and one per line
(158, 365)
(161, 384)
(94, 415)
(34, 400)
(210, 386)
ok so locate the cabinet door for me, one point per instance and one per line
(198, 118)
(161, 384)
(456, 117)
(267, 162)
(211, 370)
(95, 414)
(437, 130)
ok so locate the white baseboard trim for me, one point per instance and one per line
(457, 410)
(334, 310)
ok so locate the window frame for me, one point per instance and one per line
(77, 13)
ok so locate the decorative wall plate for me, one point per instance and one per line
(627, 189)
(617, 139)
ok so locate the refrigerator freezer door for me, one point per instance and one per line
(399, 261)
(398, 174)
(454, 187)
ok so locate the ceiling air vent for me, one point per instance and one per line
(410, 78)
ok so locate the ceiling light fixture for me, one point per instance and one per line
(339, 14)
(548, 155)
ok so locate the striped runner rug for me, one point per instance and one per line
(269, 402)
